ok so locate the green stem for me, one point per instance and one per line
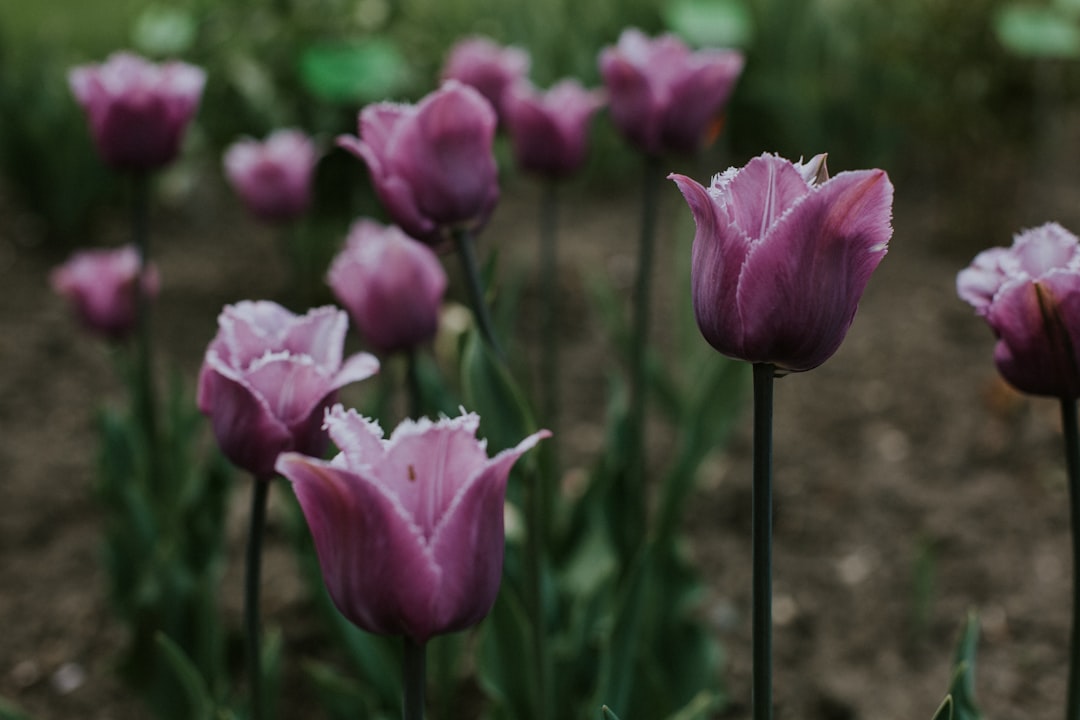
(633, 493)
(412, 379)
(1072, 466)
(140, 230)
(549, 274)
(534, 567)
(761, 531)
(259, 495)
(414, 676)
(464, 242)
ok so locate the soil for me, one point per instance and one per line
(911, 484)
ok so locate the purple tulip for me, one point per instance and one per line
(273, 177)
(432, 163)
(409, 531)
(137, 110)
(487, 66)
(663, 97)
(267, 377)
(782, 255)
(549, 130)
(101, 286)
(1030, 295)
(392, 286)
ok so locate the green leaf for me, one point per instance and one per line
(8, 711)
(945, 710)
(711, 23)
(200, 704)
(490, 391)
(962, 688)
(504, 643)
(1037, 32)
(700, 707)
(354, 73)
(608, 714)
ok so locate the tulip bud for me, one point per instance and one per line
(267, 377)
(392, 286)
(137, 110)
(663, 97)
(409, 531)
(273, 177)
(487, 66)
(1029, 294)
(549, 130)
(432, 163)
(102, 288)
(779, 261)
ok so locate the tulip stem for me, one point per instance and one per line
(1072, 467)
(140, 230)
(259, 495)
(761, 531)
(412, 375)
(635, 469)
(549, 274)
(464, 242)
(414, 676)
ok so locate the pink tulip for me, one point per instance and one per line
(782, 255)
(1030, 296)
(663, 97)
(392, 286)
(432, 163)
(273, 177)
(409, 531)
(137, 110)
(101, 286)
(487, 66)
(267, 377)
(549, 130)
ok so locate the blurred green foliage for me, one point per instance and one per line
(912, 85)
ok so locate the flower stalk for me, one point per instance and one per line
(140, 230)
(1072, 467)
(761, 531)
(414, 675)
(260, 493)
(463, 241)
(549, 259)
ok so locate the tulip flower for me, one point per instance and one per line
(102, 288)
(273, 177)
(1030, 296)
(487, 66)
(663, 97)
(432, 163)
(137, 110)
(782, 255)
(549, 130)
(268, 375)
(409, 531)
(392, 286)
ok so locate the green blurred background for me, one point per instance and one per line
(930, 89)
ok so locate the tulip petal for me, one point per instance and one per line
(760, 193)
(718, 254)
(801, 283)
(697, 98)
(293, 385)
(474, 522)
(1036, 351)
(248, 432)
(319, 334)
(978, 283)
(357, 367)
(359, 438)
(365, 541)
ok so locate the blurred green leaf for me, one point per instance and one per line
(700, 707)
(962, 689)
(1037, 32)
(163, 31)
(711, 23)
(608, 714)
(1071, 7)
(490, 391)
(504, 643)
(200, 703)
(8, 711)
(354, 73)
(945, 710)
